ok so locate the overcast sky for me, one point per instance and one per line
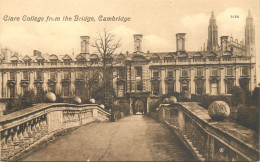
(157, 20)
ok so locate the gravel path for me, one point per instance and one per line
(133, 138)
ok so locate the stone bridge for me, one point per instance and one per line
(182, 132)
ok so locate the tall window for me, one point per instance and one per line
(139, 86)
(214, 71)
(199, 87)
(184, 72)
(199, 72)
(138, 73)
(155, 88)
(229, 71)
(66, 90)
(26, 75)
(67, 74)
(12, 75)
(244, 71)
(39, 75)
(80, 75)
(156, 74)
(53, 75)
(121, 73)
(170, 88)
(184, 87)
(121, 90)
(170, 73)
(229, 86)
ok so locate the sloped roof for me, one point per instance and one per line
(27, 58)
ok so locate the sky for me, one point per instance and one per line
(157, 20)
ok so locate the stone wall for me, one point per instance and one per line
(208, 139)
(22, 130)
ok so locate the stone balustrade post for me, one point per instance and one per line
(163, 113)
(210, 148)
(95, 114)
(181, 120)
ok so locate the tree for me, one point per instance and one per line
(105, 45)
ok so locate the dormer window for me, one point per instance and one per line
(66, 62)
(40, 62)
(54, 62)
(14, 63)
(27, 63)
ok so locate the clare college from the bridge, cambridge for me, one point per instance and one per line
(206, 98)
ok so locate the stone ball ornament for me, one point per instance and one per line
(92, 100)
(102, 106)
(172, 100)
(51, 97)
(218, 110)
(77, 100)
(166, 100)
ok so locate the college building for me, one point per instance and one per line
(140, 77)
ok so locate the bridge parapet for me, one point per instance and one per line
(208, 139)
(22, 130)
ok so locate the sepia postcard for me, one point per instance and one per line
(128, 80)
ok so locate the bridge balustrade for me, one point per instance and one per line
(207, 139)
(22, 130)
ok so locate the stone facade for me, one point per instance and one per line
(140, 76)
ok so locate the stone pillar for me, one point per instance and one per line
(5, 87)
(163, 81)
(131, 106)
(58, 83)
(207, 76)
(95, 113)
(45, 81)
(31, 79)
(192, 81)
(163, 115)
(237, 74)
(178, 86)
(18, 82)
(222, 81)
(114, 82)
(252, 78)
(181, 120)
(1, 93)
(72, 83)
(147, 105)
(54, 120)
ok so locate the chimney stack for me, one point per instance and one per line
(84, 44)
(138, 42)
(180, 42)
(224, 43)
(36, 53)
(7, 55)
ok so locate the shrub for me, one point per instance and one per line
(206, 100)
(185, 96)
(238, 96)
(153, 105)
(248, 116)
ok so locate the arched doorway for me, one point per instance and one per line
(139, 107)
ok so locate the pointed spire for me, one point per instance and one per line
(212, 14)
(249, 13)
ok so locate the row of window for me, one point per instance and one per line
(53, 62)
(199, 88)
(200, 72)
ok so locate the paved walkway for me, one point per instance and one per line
(133, 138)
